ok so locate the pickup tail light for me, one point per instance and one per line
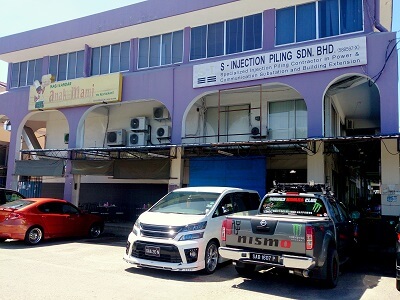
(398, 237)
(226, 229)
(310, 233)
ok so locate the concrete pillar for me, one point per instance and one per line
(176, 172)
(316, 164)
(76, 189)
(390, 178)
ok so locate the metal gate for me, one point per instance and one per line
(30, 186)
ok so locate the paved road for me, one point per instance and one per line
(94, 269)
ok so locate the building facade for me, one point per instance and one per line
(122, 106)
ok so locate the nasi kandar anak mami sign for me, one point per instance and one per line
(77, 92)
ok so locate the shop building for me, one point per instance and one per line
(124, 105)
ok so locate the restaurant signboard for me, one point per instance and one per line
(76, 92)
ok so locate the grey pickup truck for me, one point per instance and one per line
(298, 227)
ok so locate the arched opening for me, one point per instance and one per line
(262, 112)
(41, 176)
(351, 121)
(130, 124)
(5, 132)
(352, 107)
(240, 128)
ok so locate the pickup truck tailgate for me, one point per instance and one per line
(283, 234)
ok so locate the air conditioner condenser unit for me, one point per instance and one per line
(137, 139)
(116, 137)
(163, 132)
(160, 113)
(139, 124)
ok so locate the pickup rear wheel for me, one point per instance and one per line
(332, 269)
(211, 257)
(245, 270)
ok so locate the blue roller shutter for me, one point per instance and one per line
(249, 172)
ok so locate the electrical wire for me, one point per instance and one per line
(375, 78)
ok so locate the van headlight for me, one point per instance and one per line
(192, 236)
(136, 227)
(193, 227)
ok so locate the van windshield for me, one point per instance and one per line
(188, 203)
(293, 205)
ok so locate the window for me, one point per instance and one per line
(232, 123)
(252, 32)
(12, 196)
(68, 209)
(305, 22)
(287, 119)
(26, 72)
(110, 58)
(160, 50)
(237, 202)
(319, 19)
(186, 202)
(215, 45)
(293, 205)
(233, 36)
(351, 16)
(67, 66)
(198, 42)
(234, 32)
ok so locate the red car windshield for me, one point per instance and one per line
(293, 205)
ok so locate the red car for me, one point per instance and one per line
(35, 219)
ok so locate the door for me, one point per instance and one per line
(242, 172)
(59, 219)
(344, 230)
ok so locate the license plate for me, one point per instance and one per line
(265, 258)
(152, 251)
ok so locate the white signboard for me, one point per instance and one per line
(311, 58)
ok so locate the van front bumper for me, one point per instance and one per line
(170, 255)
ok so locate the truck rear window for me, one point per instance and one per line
(293, 205)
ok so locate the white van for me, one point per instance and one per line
(181, 232)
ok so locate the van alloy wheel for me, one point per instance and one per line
(211, 257)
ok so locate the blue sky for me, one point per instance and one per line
(16, 14)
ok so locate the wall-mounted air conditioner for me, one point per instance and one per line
(137, 139)
(139, 123)
(116, 137)
(163, 132)
(160, 113)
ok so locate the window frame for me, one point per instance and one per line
(290, 130)
(157, 45)
(55, 66)
(33, 71)
(200, 39)
(318, 23)
(102, 58)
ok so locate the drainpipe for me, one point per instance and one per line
(377, 22)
